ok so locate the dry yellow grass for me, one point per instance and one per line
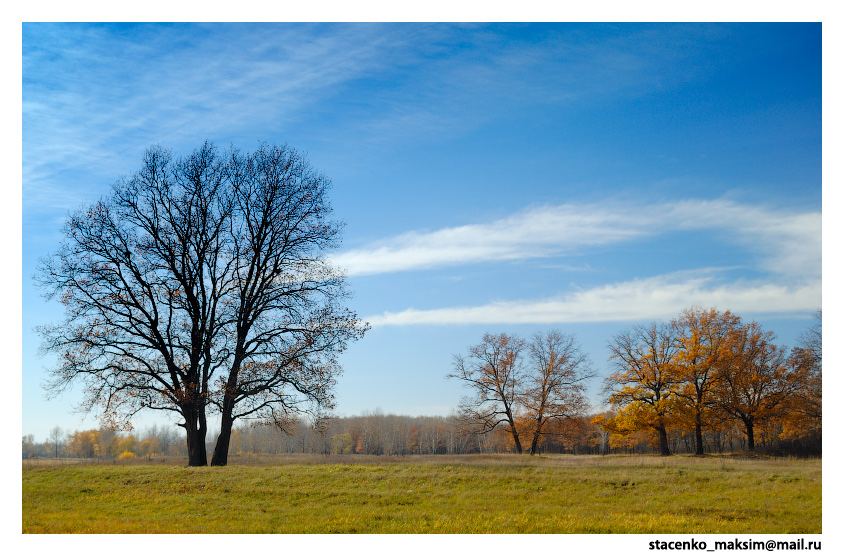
(462, 494)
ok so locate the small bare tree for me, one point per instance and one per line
(56, 437)
(555, 385)
(493, 371)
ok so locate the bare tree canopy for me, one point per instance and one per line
(555, 384)
(201, 285)
(532, 400)
(493, 371)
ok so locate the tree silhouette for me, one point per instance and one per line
(200, 285)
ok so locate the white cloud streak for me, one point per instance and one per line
(790, 243)
(786, 243)
(536, 233)
(637, 300)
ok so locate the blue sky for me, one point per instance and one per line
(493, 178)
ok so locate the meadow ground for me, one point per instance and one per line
(443, 494)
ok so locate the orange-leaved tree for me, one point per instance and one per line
(756, 382)
(804, 415)
(702, 337)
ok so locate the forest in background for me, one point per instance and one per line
(376, 433)
(703, 383)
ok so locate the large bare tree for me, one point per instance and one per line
(287, 324)
(138, 276)
(198, 285)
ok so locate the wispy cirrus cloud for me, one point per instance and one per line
(94, 96)
(783, 242)
(637, 300)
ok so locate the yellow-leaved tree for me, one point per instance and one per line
(702, 337)
(641, 390)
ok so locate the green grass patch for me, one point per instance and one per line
(431, 495)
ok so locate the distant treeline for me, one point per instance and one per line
(376, 433)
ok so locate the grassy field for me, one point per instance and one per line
(470, 494)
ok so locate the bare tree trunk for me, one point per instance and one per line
(664, 440)
(699, 438)
(515, 434)
(221, 449)
(535, 438)
(749, 431)
(195, 430)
